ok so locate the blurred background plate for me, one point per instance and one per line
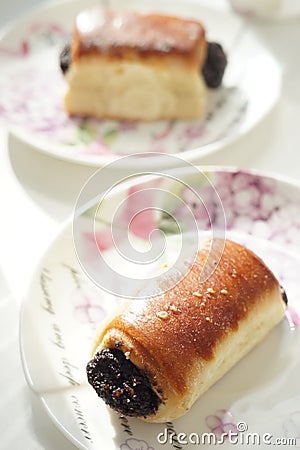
(32, 88)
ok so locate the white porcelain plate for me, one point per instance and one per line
(63, 309)
(32, 89)
(269, 9)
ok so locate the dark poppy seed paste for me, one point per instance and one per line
(215, 65)
(65, 58)
(121, 384)
(284, 296)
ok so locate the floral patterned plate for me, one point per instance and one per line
(32, 88)
(63, 309)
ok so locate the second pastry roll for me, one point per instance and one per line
(157, 356)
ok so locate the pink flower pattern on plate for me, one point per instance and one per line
(221, 423)
(136, 216)
(21, 51)
(85, 307)
(138, 212)
(103, 238)
(46, 33)
(292, 317)
(135, 444)
(252, 204)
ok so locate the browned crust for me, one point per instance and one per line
(131, 36)
(190, 321)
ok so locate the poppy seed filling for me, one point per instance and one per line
(121, 385)
(283, 295)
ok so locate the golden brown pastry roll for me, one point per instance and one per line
(132, 66)
(157, 356)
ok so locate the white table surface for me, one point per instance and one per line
(37, 196)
